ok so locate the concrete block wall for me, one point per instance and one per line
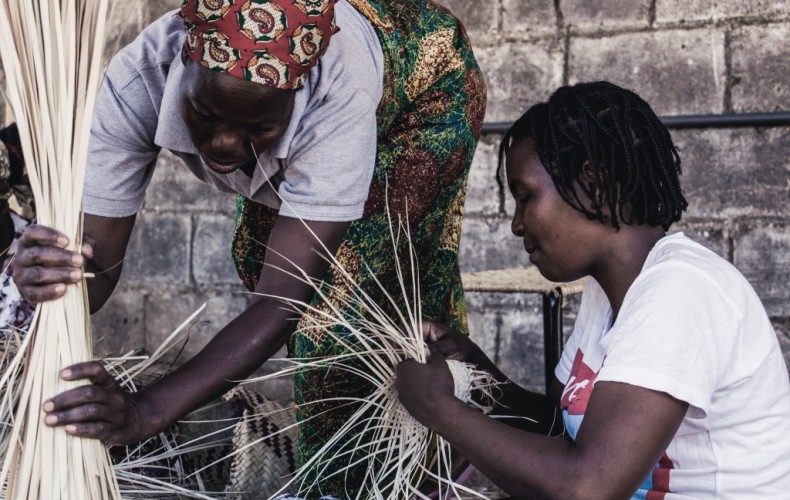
(705, 56)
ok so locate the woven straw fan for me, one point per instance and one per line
(51, 51)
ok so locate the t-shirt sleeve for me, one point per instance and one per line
(330, 165)
(122, 153)
(675, 334)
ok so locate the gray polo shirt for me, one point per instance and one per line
(321, 168)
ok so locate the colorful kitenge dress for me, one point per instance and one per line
(429, 121)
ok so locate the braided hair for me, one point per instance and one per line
(610, 134)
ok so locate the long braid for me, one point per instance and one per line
(609, 137)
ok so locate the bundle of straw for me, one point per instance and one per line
(51, 51)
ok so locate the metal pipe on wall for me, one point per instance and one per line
(726, 120)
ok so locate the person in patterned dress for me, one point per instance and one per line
(15, 312)
(325, 117)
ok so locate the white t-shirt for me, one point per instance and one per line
(322, 167)
(691, 326)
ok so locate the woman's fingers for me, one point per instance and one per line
(433, 331)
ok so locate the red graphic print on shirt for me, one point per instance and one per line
(577, 391)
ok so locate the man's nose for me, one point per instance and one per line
(226, 141)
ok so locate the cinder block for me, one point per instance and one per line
(529, 18)
(158, 8)
(212, 265)
(760, 65)
(712, 234)
(119, 327)
(782, 327)
(484, 325)
(2, 99)
(676, 71)
(762, 253)
(683, 11)
(521, 346)
(734, 172)
(125, 21)
(480, 18)
(159, 250)
(592, 15)
(489, 244)
(174, 187)
(482, 192)
(166, 310)
(520, 75)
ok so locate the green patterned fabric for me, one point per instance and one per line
(429, 121)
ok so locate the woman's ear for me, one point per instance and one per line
(589, 180)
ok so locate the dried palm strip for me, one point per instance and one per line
(51, 51)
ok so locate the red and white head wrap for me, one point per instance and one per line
(273, 42)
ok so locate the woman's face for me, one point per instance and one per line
(230, 119)
(560, 240)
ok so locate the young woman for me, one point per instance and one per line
(332, 106)
(672, 384)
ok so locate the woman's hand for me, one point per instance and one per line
(102, 409)
(449, 343)
(425, 390)
(452, 344)
(42, 266)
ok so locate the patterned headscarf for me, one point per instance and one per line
(273, 42)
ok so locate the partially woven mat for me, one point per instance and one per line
(523, 280)
(266, 454)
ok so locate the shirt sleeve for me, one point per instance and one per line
(330, 165)
(122, 153)
(675, 334)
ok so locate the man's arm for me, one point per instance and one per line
(106, 412)
(258, 333)
(108, 238)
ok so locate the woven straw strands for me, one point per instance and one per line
(396, 451)
(51, 52)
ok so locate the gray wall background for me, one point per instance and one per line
(705, 56)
